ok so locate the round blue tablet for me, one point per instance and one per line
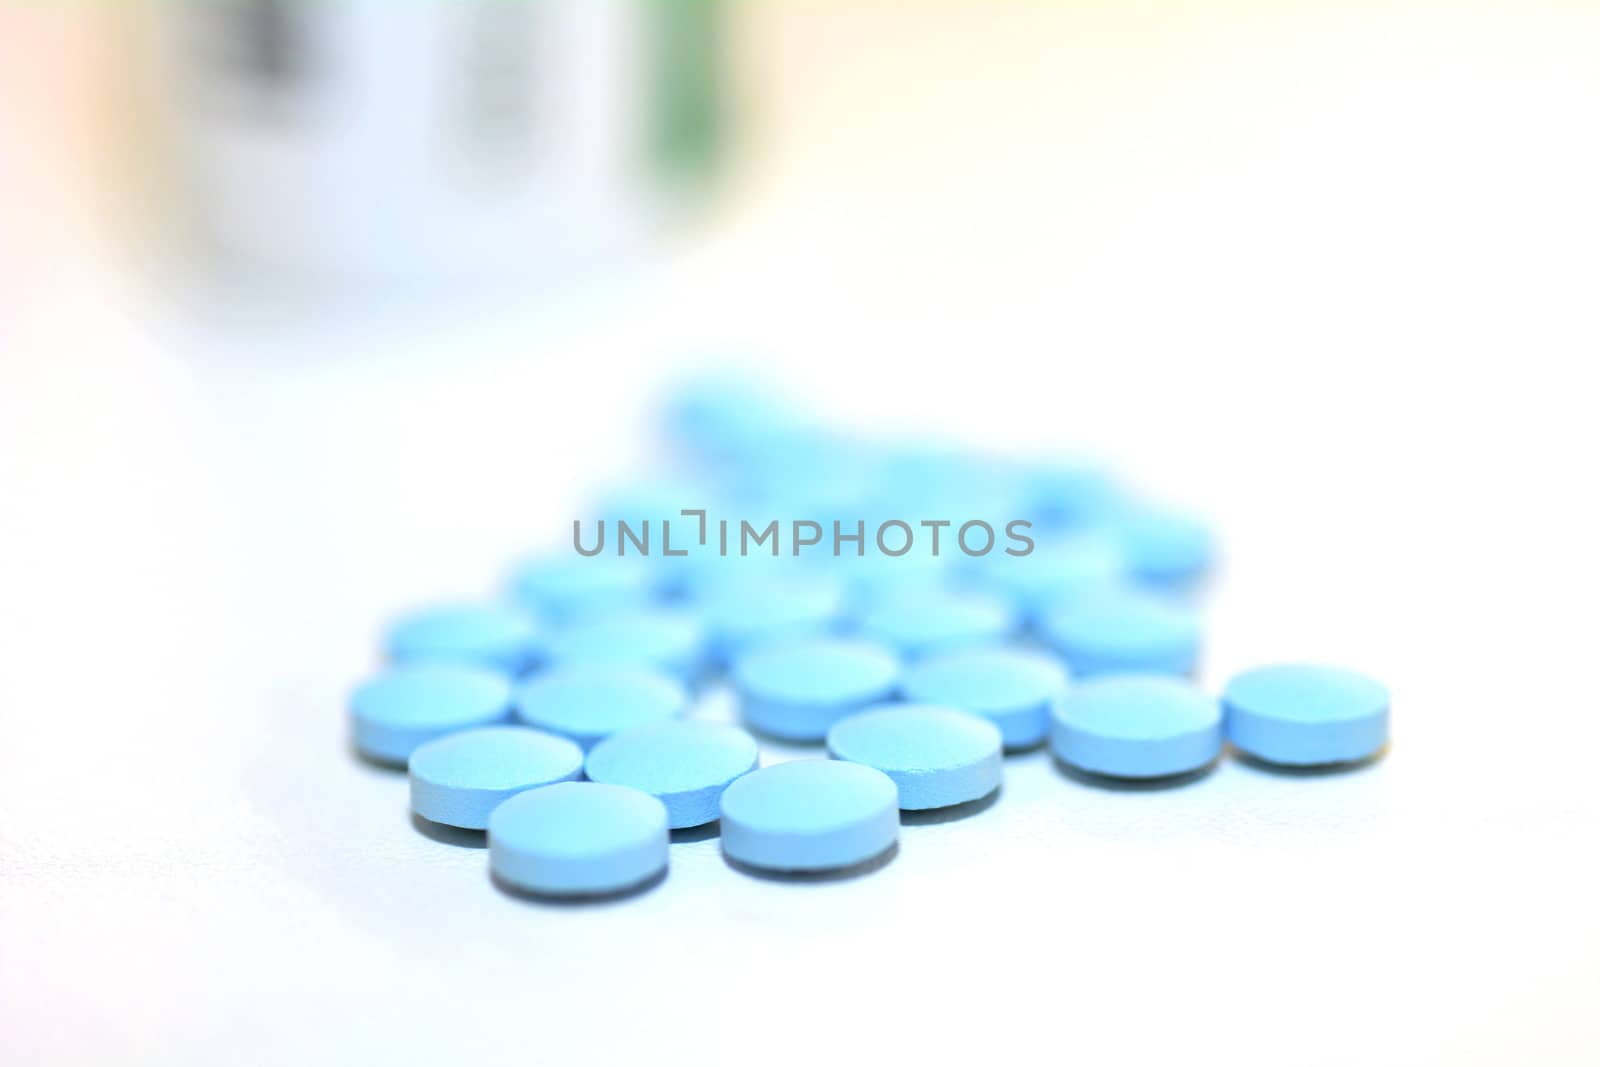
(1124, 632)
(588, 702)
(1301, 714)
(1012, 688)
(809, 815)
(578, 839)
(795, 690)
(403, 707)
(916, 623)
(1165, 549)
(763, 606)
(483, 635)
(458, 780)
(1136, 726)
(937, 756)
(567, 586)
(669, 641)
(686, 765)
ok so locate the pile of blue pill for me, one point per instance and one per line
(917, 612)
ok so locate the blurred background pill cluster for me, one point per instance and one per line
(389, 288)
(1240, 247)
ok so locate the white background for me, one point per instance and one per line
(1331, 280)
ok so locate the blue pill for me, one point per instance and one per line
(1058, 570)
(589, 702)
(1301, 714)
(703, 575)
(801, 471)
(1136, 726)
(796, 690)
(727, 417)
(932, 480)
(656, 500)
(653, 510)
(458, 780)
(916, 623)
(765, 606)
(1067, 493)
(807, 474)
(1124, 632)
(476, 634)
(406, 706)
(569, 586)
(875, 575)
(686, 765)
(1012, 688)
(936, 756)
(578, 839)
(1165, 549)
(809, 815)
(669, 641)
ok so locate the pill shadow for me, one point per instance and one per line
(788, 746)
(953, 813)
(1135, 785)
(576, 900)
(388, 768)
(449, 835)
(688, 835)
(1313, 770)
(840, 874)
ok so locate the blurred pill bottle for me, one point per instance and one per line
(358, 144)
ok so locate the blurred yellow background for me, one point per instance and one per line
(997, 130)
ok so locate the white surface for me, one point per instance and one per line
(195, 868)
(1372, 378)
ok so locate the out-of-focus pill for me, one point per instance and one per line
(686, 765)
(937, 756)
(1136, 726)
(809, 473)
(809, 815)
(653, 510)
(704, 575)
(1012, 688)
(1165, 549)
(796, 690)
(458, 780)
(1123, 632)
(569, 586)
(484, 635)
(655, 500)
(764, 607)
(1058, 570)
(876, 575)
(932, 479)
(669, 641)
(589, 702)
(1302, 714)
(1067, 494)
(403, 707)
(726, 418)
(578, 839)
(916, 623)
